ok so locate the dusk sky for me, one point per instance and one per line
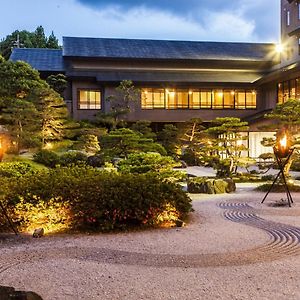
(213, 20)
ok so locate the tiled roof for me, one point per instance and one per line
(40, 59)
(163, 49)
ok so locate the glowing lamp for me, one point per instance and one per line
(279, 48)
(282, 148)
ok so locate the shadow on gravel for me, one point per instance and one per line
(9, 293)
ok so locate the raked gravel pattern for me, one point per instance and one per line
(233, 248)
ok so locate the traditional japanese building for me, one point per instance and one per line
(179, 80)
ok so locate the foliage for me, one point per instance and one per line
(150, 162)
(225, 147)
(121, 142)
(144, 128)
(99, 200)
(23, 130)
(120, 104)
(168, 137)
(47, 158)
(192, 139)
(58, 83)
(53, 216)
(26, 39)
(72, 157)
(287, 117)
(23, 94)
(16, 169)
(88, 143)
(278, 188)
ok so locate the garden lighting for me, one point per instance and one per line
(283, 152)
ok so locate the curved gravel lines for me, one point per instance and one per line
(284, 239)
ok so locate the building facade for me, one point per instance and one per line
(179, 80)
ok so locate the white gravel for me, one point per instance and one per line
(211, 258)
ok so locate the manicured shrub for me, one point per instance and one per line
(16, 169)
(101, 200)
(47, 157)
(141, 163)
(72, 157)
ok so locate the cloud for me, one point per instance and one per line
(262, 15)
(210, 20)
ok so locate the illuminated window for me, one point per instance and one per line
(205, 98)
(89, 99)
(293, 89)
(171, 99)
(182, 98)
(285, 91)
(240, 100)
(147, 98)
(152, 98)
(217, 101)
(229, 99)
(194, 99)
(250, 99)
(297, 88)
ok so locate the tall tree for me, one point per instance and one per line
(52, 42)
(27, 39)
(28, 106)
(226, 144)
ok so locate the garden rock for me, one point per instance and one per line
(202, 185)
(39, 232)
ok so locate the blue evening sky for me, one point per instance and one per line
(211, 20)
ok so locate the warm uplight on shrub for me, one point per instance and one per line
(168, 217)
(53, 216)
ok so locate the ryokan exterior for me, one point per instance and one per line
(179, 80)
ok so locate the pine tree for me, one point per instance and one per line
(52, 42)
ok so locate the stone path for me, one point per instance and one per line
(233, 248)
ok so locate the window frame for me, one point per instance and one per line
(88, 103)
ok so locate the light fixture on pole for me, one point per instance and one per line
(283, 152)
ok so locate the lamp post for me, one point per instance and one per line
(283, 152)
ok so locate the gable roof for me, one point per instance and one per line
(164, 49)
(40, 59)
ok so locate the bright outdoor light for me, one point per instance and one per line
(279, 48)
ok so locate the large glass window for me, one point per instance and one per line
(250, 99)
(89, 99)
(194, 97)
(288, 90)
(197, 99)
(240, 99)
(153, 98)
(182, 98)
(206, 98)
(229, 99)
(217, 99)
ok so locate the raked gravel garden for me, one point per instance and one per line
(233, 247)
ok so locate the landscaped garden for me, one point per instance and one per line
(64, 175)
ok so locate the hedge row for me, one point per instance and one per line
(95, 199)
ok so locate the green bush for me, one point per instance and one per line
(16, 169)
(151, 162)
(100, 200)
(47, 158)
(72, 157)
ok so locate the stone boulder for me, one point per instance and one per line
(202, 185)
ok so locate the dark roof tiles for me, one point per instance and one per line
(40, 59)
(163, 49)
